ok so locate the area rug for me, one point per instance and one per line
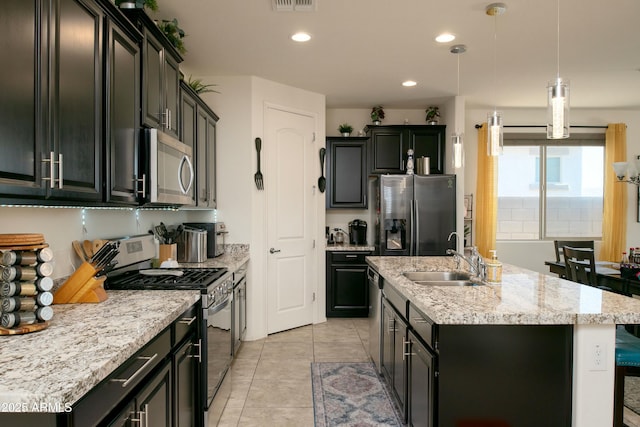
(350, 394)
(632, 393)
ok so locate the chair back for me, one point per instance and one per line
(560, 244)
(581, 265)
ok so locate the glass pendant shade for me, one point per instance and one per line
(458, 151)
(494, 133)
(558, 109)
(620, 168)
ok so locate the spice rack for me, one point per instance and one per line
(25, 285)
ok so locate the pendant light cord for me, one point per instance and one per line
(558, 40)
(495, 61)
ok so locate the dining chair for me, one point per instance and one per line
(580, 265)
(560, 244)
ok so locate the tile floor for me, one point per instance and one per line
(271, 378)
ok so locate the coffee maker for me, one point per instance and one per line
(358, 232)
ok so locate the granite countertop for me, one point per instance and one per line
(84, 343)
(234, 257)
(523, 297)
(349, 247)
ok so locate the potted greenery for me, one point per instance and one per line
(174, 33)
(377, 114)
(137, 4)
(433, 114)
(345, 129)
(199, 87)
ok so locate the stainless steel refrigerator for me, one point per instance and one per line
(415, 214)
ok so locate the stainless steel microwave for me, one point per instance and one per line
(167, 170)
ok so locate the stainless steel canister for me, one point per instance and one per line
(422, 165)
(192, 245)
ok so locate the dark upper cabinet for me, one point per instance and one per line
(23, 120)
(160, 76)
(56, 100)
(389, 144)
(346, 166)
(198, 129)
(123, 118)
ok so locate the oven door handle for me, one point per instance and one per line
(218, 307)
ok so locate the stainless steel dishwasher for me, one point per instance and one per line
(375, 318)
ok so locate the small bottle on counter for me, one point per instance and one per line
(494, 268)
(27, 257)
(44, 269)
(44, 313)
(625, 260)
(9, 289)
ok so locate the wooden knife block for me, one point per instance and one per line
(81, 286)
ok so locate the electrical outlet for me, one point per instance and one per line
(599, 357)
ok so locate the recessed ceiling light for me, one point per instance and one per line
(409, 83)
(301, 37)
(445, 38)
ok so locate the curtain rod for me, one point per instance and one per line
(544, 126)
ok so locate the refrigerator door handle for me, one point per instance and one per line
(416, 226)
(414, 230)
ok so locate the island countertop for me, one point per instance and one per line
(83, 344)
(523, 297)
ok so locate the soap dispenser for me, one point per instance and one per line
(494, 268)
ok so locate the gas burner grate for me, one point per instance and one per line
(198, 278)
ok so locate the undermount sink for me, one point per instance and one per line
(440, 278)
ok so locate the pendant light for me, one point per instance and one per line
(457, 160)
(494, 119)
(558, 99)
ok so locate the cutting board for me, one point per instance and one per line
(21, 239)
(24, 329)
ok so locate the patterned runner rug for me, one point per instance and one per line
(350, 394)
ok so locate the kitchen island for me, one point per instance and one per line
(51, 370)
(529, 298)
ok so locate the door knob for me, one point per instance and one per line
(273, 251)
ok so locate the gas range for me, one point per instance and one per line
(215, 284)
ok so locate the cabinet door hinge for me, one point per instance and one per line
(314, 297)
(313, 137)
(314, 243)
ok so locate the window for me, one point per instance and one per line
(550, 189)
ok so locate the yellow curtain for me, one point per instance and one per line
(486, 196)
(614, 217)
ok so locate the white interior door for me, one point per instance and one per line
(291, 218)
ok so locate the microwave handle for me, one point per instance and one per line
(185, 159)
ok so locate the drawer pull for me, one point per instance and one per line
(126, 382)
(351, 256)
(419, 320)
(187, 321)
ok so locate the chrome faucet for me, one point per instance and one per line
(457, 239)
(475, 261)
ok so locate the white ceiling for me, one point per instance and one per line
(362, 50)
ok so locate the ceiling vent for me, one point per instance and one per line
(294, 5)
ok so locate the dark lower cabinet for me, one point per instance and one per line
(346, 168)
(152, 405)
(393, 342)
(347, 284)
(421, 387)
(185, 399)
